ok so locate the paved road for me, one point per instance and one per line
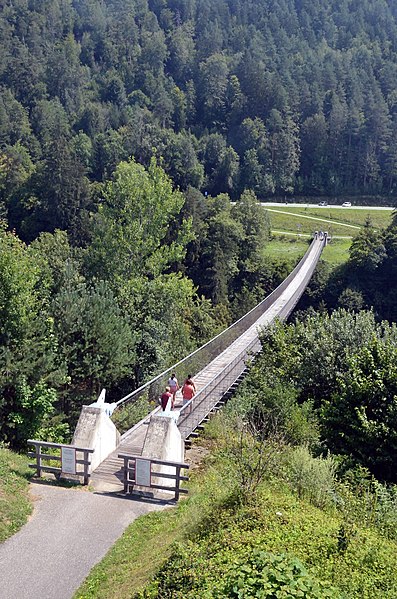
(70, 531)
(294, 205)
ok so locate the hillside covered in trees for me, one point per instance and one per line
(278, 97)
(125, 129)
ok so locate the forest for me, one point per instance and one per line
(125, 130)
(136, 138)
(282, 98)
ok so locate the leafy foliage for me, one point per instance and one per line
(361, 416)
(30, 408)
(313, 478)
(336, 371)
(132, 233)
(268, 575)
(77, 319)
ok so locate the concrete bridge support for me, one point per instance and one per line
(96, 431)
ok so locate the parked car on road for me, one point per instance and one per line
(346, 204)
(323, 203)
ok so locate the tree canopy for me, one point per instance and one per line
(278, 98)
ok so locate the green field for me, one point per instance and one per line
(293, 226)
(337, 221)
(293, 248)
(337, 251)
(290, 248)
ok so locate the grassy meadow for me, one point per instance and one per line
(337, 221)
(15, 506)
(293, 226)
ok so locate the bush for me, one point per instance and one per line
(368, 502)
(131, 413)
(258, 402)
(268, 575)
(312, 478)
(253, 456)
(32, 406)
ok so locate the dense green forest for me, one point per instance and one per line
(278, 97)
(74, 320)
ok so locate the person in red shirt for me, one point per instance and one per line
(165, 397)
(188, 390)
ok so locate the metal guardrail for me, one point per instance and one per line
(194, 412)
(201, 357)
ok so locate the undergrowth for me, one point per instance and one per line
(284, 540)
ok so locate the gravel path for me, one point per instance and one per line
(70, 531)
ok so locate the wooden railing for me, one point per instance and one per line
(68, 458)
(138, 471)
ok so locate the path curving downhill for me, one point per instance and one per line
(69, 532)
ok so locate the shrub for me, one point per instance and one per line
(254, 455)
(131, 413)
(268, 575)
(368, 502)
(278, 402)
(312, 478)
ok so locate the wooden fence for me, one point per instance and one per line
(138, 471)
(68, 458)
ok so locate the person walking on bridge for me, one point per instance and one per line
(174, 386)
(165, 397)
(188, 391)
(190, 378)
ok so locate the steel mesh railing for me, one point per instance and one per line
(201, 357)
(193, 413)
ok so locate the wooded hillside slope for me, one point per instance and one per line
(283, 97)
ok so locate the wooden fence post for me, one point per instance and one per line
(125, 474)
(86, 475)
(177, 482)
(38, 460)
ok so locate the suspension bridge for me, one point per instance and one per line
(216, 367)
(118, 455)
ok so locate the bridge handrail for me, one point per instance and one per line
(199, 406)
(192, 364)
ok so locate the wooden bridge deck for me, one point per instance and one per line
(108, 475)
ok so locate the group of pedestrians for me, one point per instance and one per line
(188, 391)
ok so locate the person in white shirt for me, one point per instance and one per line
(174, 386)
